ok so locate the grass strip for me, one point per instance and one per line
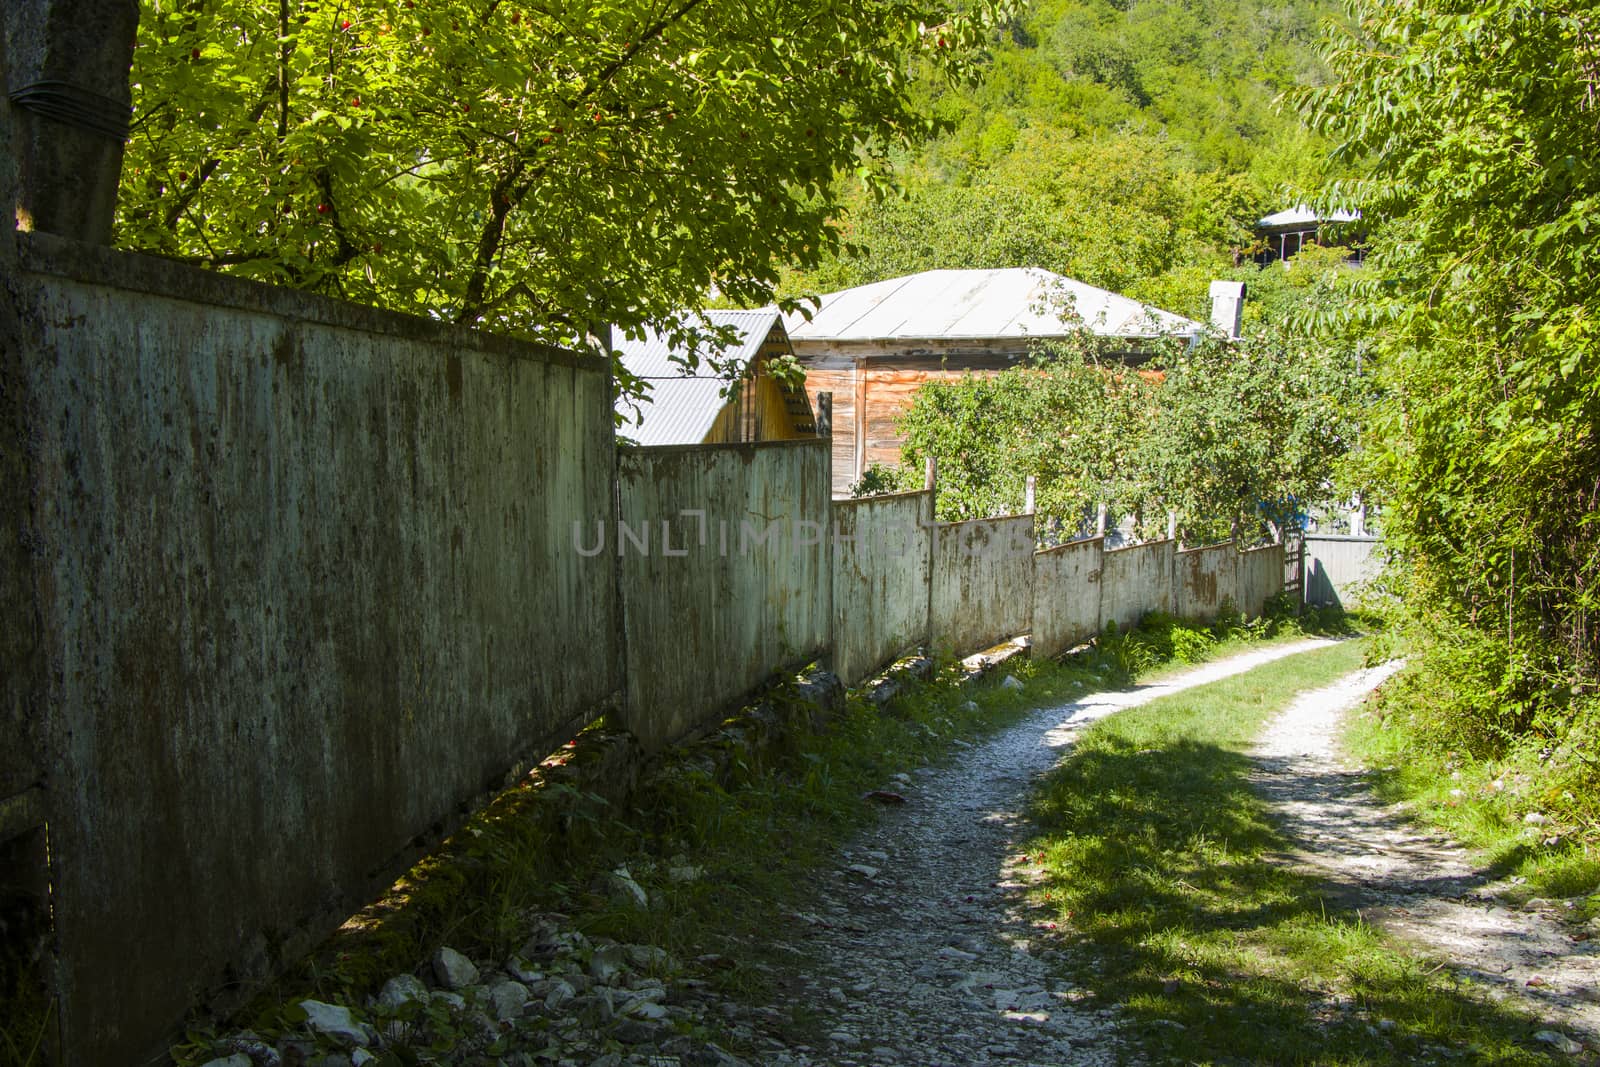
(1153, 852)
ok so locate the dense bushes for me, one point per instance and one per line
(1476, 123)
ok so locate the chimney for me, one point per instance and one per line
(1227, 307)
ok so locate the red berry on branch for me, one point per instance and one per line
(345, 25)
(183, 175)
(322, 209)
(195, 54)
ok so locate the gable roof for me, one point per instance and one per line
(1302, 215)
(950, 304)
(682, 406)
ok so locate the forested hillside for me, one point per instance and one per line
(1127, 144)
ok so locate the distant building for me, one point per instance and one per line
(684, 408)
(1287, 232)
(873, 346)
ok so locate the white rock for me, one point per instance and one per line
(1536, 818)
(647, 957)
(560, 993)
(361, 1057)
(1559, 1041)
(626, 890)
(646, 1009)
(969, 706)
(607, 962)
(332, 1020)
(683, 873)
(401, 990)
(453, 970)
(508, 999)
(523, 971)
(862, 870)
(1011, 682)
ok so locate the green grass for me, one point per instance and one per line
(1156, 857)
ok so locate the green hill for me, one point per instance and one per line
(1126, 144)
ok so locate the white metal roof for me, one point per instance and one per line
(952, 304)
(682, 406)
(1302, 215)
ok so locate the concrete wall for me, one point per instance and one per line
(881, 564)
(1205, 578)
(1136, 581)
(1333, 565)
(705, 628)
(1066, 595)
(982, 583)
(306, 592)
(1260, 578)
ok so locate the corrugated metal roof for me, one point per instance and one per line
(951, 304)
(1302, 215)
(682, 406)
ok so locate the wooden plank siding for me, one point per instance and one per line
(884, 393)
(765, 409)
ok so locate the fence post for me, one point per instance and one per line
(1027, 496)
(1172, 525)
(825, 415)
(1100, 521)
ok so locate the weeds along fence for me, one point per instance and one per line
(296, 585)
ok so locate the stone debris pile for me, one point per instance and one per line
(563, 999)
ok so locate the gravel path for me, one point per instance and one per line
(1415, 885)
(916, 949)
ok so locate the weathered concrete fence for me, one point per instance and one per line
(984, 583)
(1335, 565)
(882, 567)
(297, 584)
(305, 594)
(724, 553)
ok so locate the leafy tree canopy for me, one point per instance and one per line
(532, 167)
(1479, 126)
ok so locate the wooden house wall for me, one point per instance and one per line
(764, 410)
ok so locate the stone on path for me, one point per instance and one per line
(1559, 1041)
(453, 970)
(333, 1021)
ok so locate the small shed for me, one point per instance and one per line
(1283, 233)
(875, 345)
(697, 407)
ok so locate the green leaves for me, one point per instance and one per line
(1235, 437)
(1479, 127)
(542, 170)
